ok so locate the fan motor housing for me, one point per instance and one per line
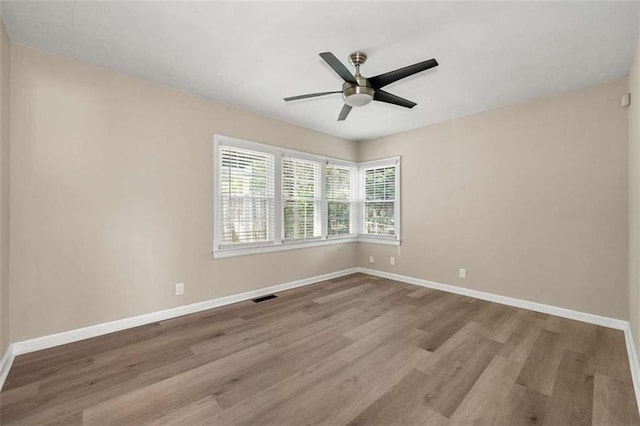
(360, 94)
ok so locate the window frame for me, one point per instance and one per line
(362, 168)
(228, 247)
(321, 190)
(278, 243)
(353, 201)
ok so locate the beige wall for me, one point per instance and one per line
(634, 199)
(531, 199)
(111, 197)
(5, 134)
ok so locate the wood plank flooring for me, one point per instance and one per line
(354, 350)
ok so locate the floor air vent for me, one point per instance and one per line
(263, 298)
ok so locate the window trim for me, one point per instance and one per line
(278, 244)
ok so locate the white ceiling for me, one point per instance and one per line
(252, 55)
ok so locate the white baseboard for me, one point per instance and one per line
(634, 363)
(44, 342)
(618, 324)
(5, 364)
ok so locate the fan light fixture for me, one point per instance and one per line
(358, 99)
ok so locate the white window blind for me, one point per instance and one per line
(246, 192)
(341, 199)
(301, 198)
(380, 200)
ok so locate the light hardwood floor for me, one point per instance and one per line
(354, 350)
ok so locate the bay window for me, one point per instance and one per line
(268, 198)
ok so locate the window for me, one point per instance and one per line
(301, 200)
(380, 200)
(268, 198)
(341, 199)
(246, 196)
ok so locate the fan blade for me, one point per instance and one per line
(346, 109)
(338, 67)
(382, 96)
(389, 77)
(310, 95)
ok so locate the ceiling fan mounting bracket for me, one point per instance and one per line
(357, 58)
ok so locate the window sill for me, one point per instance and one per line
(294, 245)
(378, 240)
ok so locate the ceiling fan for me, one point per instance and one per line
(358, 91)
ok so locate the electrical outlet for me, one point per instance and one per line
(462, 273)
(371, 259)
(179, 289)
(392, 261)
